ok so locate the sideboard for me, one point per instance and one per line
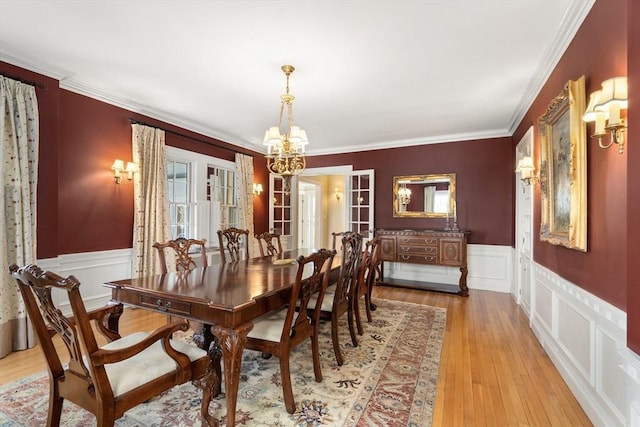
(429, 247)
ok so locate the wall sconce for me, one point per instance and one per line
(604, 109)
(118, 167)
(257, 189)
(338, 193)
(527, 170)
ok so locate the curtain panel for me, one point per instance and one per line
(151, 203)
(244, 164)
(19, 130)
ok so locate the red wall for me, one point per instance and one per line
(93, 134)
(80, 208)
(633, 179)
(598, 51)
(484, 183)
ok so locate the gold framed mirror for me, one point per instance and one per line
(424, 196)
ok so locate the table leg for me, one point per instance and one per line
(232, 341)
(113, 319)
(203, 338)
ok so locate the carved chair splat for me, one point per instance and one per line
(233, 240)
(269, 243)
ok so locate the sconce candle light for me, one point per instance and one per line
(257, 189)
(604, 109)
(338, 193)
(118, 167)
(527, 170)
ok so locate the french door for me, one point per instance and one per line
(358, 196)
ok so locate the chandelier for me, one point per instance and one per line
(285, 151)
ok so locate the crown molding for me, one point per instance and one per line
(575, 14)
(163, 116)
(441, 139)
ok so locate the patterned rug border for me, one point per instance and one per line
(387, 392)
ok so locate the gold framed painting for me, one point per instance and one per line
(563, 169)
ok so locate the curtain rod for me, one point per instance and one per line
(138, 122)
(28, 82)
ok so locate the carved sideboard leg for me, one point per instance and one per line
(232, 342)
(464, 291)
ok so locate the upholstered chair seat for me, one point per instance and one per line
(145, 366)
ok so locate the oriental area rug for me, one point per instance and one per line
(389, 379)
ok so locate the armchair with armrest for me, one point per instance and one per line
(105, 380)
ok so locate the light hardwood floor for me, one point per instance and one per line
(493, 371)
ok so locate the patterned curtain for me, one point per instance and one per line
(19, 128)
(151, 203)
(244, 164)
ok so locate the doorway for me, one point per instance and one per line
(309, 198)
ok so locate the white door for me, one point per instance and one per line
(522, 289)
(309, 214)
(359, 200)
(282, 217)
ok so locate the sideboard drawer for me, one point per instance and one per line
(417, 250)
(413, 240)
(418, 259)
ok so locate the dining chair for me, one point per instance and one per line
(186, 259)
(276, 333)
(269, 243)
(233, 240)
(335, 237)
(105, 380)
(367, 274)
(338, 299)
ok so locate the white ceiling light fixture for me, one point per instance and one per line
(285, 151)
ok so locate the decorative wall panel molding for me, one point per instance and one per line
(583, 335)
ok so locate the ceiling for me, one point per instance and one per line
(369, 74)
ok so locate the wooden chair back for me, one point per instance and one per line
(367, 273)
(345, 288)
(233, 240)
(336, 237)
(269, 243)
(88, 380)
(185, 257)
(295, 322)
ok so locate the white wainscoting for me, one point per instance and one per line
(490, 269)
(585, 337)
(92, 269)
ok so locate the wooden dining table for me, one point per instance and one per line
(226, 297)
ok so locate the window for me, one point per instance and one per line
(180, 206)
(203, 195)
(223, 193)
